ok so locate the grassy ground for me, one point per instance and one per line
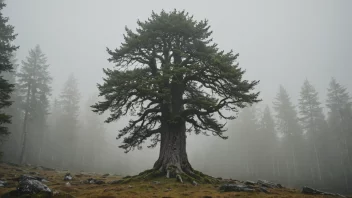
(150, 189)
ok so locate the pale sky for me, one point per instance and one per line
(279, 41)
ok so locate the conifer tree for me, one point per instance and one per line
(267, 145)
(248, 126)
(312, 121)
(68, 122)
(12, 146)
(6, 51)
(287, 124)
(34, 86)
(169, 73)
(340, 118)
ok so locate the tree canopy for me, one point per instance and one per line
(169, 71)
(6, 65)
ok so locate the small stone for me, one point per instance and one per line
(3, 183)
(68, 177)
(195, 183)
(168, 189)
(156, 182)
(248, 182)
(99, 182)
(106, 175)
(67, 184)
(236, 188)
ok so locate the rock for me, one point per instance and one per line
(3, 183)
(156, 182)
(68, 177)
(30, 186)
(67, 184)
(263, 189)
(93, 181)
(106, 175)
(129, 186)
(312, 191)
(168, 189)
(99, 182)
(195, 183)
(250, 183)
(115, 182)
(34, 173)
(236, 188)
(29, 177)
(268, 184)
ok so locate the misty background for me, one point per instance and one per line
(279, 42)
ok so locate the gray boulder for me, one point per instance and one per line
(30, 186)
(312, 191)
(268, 184)
(29, 177)
(236, 188)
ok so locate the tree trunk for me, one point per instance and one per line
(317, 160)
(25, 120)
(173, 153)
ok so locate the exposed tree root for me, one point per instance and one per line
(191, 177)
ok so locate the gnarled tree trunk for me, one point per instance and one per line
(173, 155)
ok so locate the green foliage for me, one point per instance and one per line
(311, 113)
(339, 104)
(34, 90)
(287, 121)
(168, 72)
(6, 65)
(34, 81)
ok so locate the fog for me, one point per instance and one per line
(279, 42)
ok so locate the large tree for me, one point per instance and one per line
(6, 51)
(34, 85)
(172, 76)
(11, 147)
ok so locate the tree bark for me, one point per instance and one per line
(173, 149)
(25, 120)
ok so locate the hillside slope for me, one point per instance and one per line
(84, 184)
